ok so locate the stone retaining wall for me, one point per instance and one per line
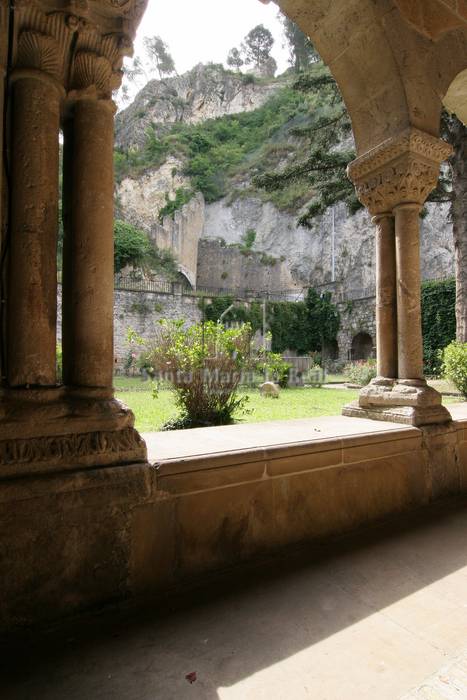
(140, 311)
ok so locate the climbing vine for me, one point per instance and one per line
(302, 326)
(438, 321)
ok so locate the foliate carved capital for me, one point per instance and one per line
(403, 169)
(92, 73)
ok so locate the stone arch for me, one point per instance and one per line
(362, 346)
(392, 67)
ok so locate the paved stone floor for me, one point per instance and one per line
(379, 616)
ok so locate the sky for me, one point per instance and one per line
(204, 30)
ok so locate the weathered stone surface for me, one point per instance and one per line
(131, 530)
(269, 390)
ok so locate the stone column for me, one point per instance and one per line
(32, 296)
(89, 264)
(386, 319)
(409, 321)
(397, 177)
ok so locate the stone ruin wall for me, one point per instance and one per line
(227, 267)
(181, 234)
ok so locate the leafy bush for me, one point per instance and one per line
(438, 321)
(275, 368)
(454, 365)
(182, 197)
(132, 246)
(203, 366)
(361, 372)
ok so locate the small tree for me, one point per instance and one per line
(203, 364)
(234, 59)
(257, 45)
(159, 56)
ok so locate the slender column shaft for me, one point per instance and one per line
(409, 323)
(32, 294)
(88, 331)
(386, 308)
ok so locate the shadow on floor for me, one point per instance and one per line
(241, 623)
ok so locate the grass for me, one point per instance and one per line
(151, 413)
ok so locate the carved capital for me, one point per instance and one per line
(91, 74)
(403, 169)
(40, 52)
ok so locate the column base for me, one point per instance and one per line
(407, 401)
(59, 429)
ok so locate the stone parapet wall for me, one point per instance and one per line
(136, 530)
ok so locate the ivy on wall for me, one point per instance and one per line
(302, 326)
(438, 321)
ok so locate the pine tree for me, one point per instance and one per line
(328, 134)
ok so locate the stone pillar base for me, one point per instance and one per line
(407, 401)
(53, 430)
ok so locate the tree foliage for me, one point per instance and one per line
(159, 56)
(303, 327)
(234, 59)
(324, 169)
(257, 46)
(133, 247)
(301, 51)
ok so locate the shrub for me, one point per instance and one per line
(361, 372)
(132, 246)
(203, 365)
(182, 197)
(275, 368)
(454, 365)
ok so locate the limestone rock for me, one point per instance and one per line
(205, 92)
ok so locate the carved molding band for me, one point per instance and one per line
(401, 170)
(71, 448)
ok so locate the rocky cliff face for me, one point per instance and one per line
(205, 92)
(309, 251)
(208, 91)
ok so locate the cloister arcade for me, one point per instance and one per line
(85, 518)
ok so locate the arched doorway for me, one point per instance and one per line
(362, 347)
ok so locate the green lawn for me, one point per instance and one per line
(151, 413)
(292, 403)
